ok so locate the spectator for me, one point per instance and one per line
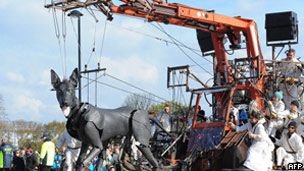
(91, 166)
(37, 155)
(57, 161)
(110, 167)
(165, 119)
(18, 163)
(6, 152)
(23, 155)
(116, 153)
(108, 159)
(31, 160)
(63, 149)
(47, 153)
(153, 127)
(72, 151)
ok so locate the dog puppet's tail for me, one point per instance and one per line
(159, 125)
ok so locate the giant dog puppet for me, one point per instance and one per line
(95, 126)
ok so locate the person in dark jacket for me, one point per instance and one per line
(6, 152)
(18, 163)
(31, 160)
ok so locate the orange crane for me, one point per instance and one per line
(218, 25)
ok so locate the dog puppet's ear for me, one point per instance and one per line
(74, 77)
(54, 79)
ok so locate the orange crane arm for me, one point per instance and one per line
(208, 21)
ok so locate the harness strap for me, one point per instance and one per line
(130, 121)
(130, 125)
(290, 146)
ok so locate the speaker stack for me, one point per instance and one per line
(281, 26)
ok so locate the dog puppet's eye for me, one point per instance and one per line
(59, 92)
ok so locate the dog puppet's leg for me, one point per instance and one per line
(100, 161)
(94, 152)
(149, 156)
(93, 136)
(102, 155)
(83, 151)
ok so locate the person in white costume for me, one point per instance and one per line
(292, 115)
(291, 148)
(259, 155)
(300, 126)
(277, 115)
(290, 71)
(72, 150)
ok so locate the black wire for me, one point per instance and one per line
(164, 100)
(113, 77)
(183, 50)
(280, 52)
(180, 43)
(123, 90)
(195, 51)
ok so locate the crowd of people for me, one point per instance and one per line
(277, 137)
(51, 158)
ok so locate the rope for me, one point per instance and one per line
(94, 43)
(64, 42)
(103, 38)
(57, 33)
(90, 11)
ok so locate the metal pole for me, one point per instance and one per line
(79, 59)
(78, 14)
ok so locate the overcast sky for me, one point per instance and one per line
(29, 48)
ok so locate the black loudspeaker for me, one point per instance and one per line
(204, 41)
(281, 26)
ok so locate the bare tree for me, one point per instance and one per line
(139, 101)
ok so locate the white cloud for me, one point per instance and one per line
(45, 78)
(24, 104)
(131, 69)
(15, 77)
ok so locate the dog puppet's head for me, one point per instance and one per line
(65, 92)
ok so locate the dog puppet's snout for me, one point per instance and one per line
(63, 104)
